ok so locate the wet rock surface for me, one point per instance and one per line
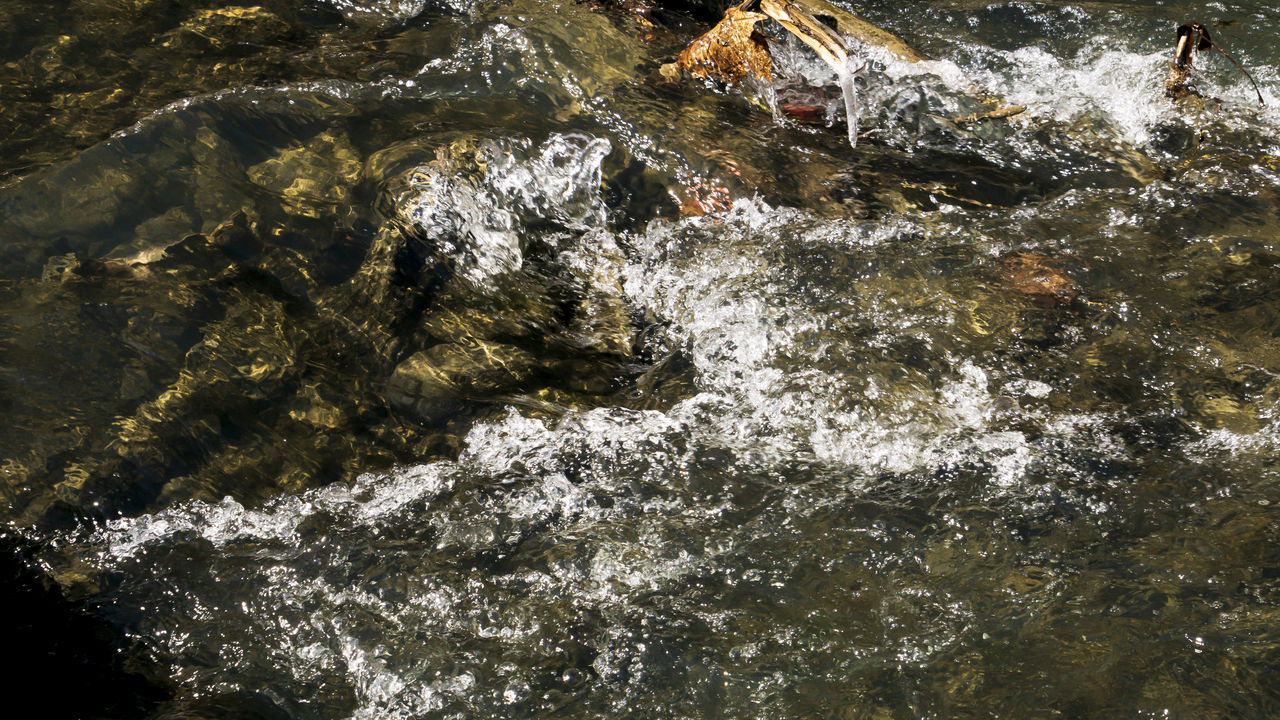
(430, 383)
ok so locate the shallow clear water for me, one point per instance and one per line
(381, 359)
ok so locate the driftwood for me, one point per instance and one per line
(997, 114)
(734, 50)
(850, 25)
(809, 30)
(1193, 38)
(730, 51)
(817, 23)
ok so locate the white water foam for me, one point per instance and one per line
(478, 223)
(1124, 87)
(379, 13)
(363, 582)
(731, 310)
(741, 326)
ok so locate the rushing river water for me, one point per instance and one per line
(409, 359)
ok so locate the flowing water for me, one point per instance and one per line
(440, 359)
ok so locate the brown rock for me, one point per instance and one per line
(1038, 277)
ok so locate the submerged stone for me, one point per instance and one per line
(434, 382)
(1038, 277)
(159, 231)
(312, 179)
(236, 24)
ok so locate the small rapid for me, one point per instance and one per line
(475, 370)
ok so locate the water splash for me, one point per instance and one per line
(477, 217)
(545, 564)
(380, 13)
(850, 93)
(1122, 86)
(706, 556)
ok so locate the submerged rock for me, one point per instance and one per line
(160, 230)
(433, 383)
(250, 347)
(1038, 277)
(311, 179)
(230, 25)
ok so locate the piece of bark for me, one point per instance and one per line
(730, 51)
(805, 113)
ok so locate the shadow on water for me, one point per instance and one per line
(53, 640)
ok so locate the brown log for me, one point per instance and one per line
(850, 25)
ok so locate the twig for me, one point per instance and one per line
(1198, 33)
(996, 114)
(1246, 72)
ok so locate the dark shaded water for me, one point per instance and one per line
(364, 359)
